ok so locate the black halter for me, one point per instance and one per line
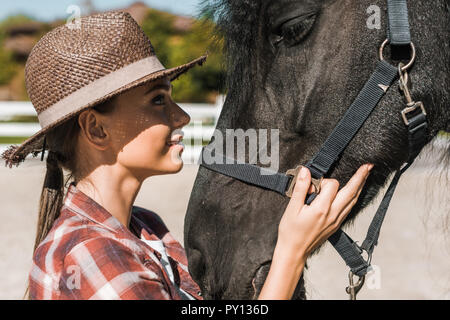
(414, 117)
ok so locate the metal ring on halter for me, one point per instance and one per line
(407, 66)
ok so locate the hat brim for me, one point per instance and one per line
(15, 154)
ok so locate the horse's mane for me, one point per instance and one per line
(235, 26)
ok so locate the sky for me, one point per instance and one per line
(48, 10)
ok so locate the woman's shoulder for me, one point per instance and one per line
(68, 230)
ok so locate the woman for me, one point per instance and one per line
(107, 116)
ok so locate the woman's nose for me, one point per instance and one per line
(180, 118)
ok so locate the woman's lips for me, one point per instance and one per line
(176, 142)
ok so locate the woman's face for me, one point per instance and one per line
(144, 129)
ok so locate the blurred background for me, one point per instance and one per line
(177, 30)
(413, 257)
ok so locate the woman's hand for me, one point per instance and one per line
(304, 227)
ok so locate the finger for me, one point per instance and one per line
(350, 190)
(344, 213)
(350, 206)
(339, 219)
(301, 187)
(328, 191)
(347, 196)
(340, 215)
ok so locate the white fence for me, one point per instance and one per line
(194, 133)
(199, 113)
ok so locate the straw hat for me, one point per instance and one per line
(74, 67)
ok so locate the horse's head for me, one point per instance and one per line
(296, 66)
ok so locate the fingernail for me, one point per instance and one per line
(303, 172)
(369, 166)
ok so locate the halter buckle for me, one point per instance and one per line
(294, 173)
(412, 108)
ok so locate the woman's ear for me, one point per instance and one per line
(92, 128)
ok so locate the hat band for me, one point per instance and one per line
(98, 89)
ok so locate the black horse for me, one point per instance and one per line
(302, 86)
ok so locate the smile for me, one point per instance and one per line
(176, 140)
(177, 143)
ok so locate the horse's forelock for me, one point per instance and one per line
(235, 21)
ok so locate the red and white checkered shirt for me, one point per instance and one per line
(89, 254)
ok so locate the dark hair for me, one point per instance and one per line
(62, 144)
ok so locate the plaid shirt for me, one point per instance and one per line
(89, 254)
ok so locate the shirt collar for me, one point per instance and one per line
(87, 207)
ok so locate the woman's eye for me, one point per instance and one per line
(159, 99)
(294, 30)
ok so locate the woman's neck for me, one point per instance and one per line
(114, 189)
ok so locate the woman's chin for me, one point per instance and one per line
(174, 163)
(175, 155)
(170, 163)
(166, 168)
(177, 167)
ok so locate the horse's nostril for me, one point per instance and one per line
(259, 278)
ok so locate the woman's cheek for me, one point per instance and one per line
(155, 143)
(141, 151)
(163, 158)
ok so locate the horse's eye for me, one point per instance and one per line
(293, 31)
